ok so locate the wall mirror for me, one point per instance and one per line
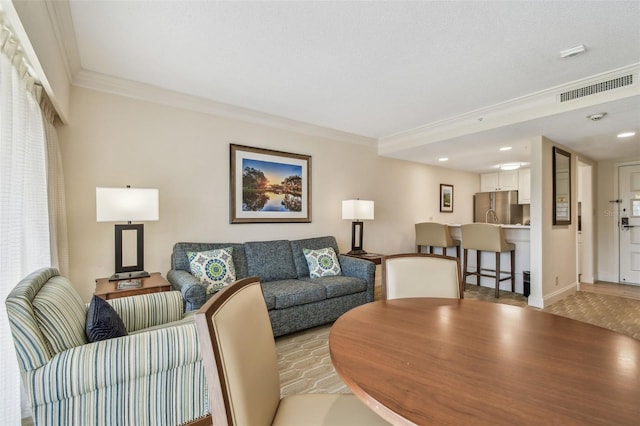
(561, 187)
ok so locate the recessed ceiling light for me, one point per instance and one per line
(573, 51)
(443, 159)
(510, 166)
(626, 134)
(597, 116)
(505, 148)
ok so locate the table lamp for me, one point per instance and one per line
(127, 205)
(357, 211)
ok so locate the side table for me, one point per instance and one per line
(154, 283)
(373, 257)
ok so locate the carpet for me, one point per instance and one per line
(305, 364)
(612, 312)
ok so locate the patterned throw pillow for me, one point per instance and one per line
(322, 262)
(103, 322)
(214, 268)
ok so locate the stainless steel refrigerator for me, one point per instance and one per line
(497, 207)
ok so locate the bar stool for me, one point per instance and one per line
(435, 235)
(487, 237)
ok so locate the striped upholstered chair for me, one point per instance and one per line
(152, 376)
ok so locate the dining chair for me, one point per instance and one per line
(421, 275)
(241, 366)
(488, 237)
(432, 234)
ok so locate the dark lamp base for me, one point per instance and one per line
(128, 275)
(358, 252)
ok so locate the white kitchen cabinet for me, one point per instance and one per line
(488, 182)
(506, 180)
(524, 186)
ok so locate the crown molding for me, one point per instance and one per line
(529, 107)
(149, 93)
(62, 23)
(536, 105)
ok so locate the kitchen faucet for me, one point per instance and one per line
(495, 216)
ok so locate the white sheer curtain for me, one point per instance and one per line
(57, 200)
(24, 217)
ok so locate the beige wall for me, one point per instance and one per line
(115, 141)
(553, 248)
(559, 246)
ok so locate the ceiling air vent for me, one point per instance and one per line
(626, 80)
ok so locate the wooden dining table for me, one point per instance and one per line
(463, 362)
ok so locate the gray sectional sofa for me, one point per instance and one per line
(294, 300)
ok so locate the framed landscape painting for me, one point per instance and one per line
(269, 186)
(446, 198)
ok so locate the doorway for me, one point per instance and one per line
(629, 223)
(585, 236)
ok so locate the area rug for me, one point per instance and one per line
(612, 312)
(305, 364)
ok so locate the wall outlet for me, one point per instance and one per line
(556, 281)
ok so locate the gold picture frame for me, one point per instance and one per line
(268, 186)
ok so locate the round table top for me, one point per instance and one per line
(448, 361)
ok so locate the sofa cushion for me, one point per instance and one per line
(270, 260)
(300, 261)
(322, 262)
(103, 321)
(339, 285)
(214, 267)
(180, 260)
(61, 314)
(286, 293)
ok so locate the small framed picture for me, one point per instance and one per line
(446, 198)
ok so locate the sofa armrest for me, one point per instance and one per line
(360, 268)
(148, 310)
(193, 291)
(127, 368)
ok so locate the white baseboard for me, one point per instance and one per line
(560, 294)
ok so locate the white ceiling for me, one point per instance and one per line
(383, 69)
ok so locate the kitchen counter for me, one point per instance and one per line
(457, 225)
(516, 234)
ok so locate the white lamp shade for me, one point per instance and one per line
(357, 210)
(127, 204)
